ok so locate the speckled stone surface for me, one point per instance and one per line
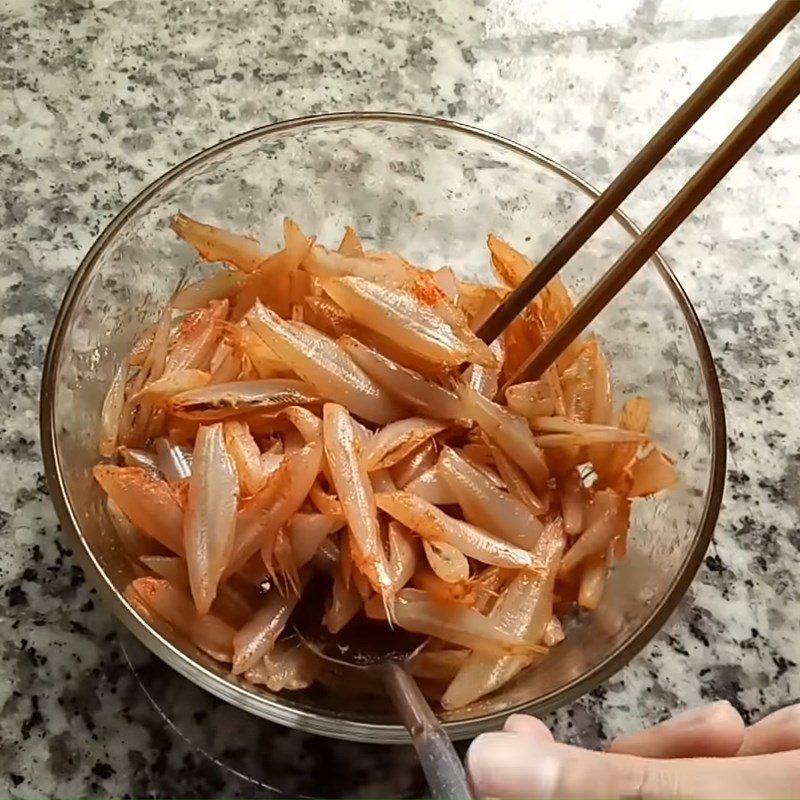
(99, 98)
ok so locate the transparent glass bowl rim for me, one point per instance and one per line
(273, 709)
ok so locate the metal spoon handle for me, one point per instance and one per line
(440, 762)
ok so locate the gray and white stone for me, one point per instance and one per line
(99, 97)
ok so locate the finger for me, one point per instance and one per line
(775, 733)
(525, 725)
(510, 765)
(715, 730)
(507, 765)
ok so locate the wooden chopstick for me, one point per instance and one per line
(752, 43)
(739, 141)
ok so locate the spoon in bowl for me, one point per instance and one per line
(383, 651)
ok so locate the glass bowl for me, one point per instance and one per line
(432, 190)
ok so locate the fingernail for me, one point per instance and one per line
(506, 765)
(697, 716)
(785, 714)
(525, 725)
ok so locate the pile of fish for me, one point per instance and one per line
(317, 411)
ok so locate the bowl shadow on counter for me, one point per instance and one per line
(263, 757)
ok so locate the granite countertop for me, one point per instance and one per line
(99, 97)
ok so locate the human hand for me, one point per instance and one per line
(702, 754)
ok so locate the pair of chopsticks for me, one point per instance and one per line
(740, 140)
